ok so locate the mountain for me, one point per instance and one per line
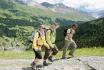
(59, 7)
(30, 3)
(18, 8)
(94, 13)
(18, 18)
(46, 4)
(101, 13)
(65, 10)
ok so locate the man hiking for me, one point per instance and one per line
(69, 41)
(50, 39)
(38, 42)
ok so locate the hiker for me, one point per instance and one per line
(38, 42)
(50, 39)
(69, 41)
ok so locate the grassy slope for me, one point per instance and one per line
(91, 33)
(27, 11)
(31, 11)
(30, 54)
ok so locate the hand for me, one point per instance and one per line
(52, 46)
(48, 48)
(38, 49)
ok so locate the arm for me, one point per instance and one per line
(68, 33)
(48, 38)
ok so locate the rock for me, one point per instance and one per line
(95, 62)
(83, 63)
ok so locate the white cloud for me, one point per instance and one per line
(87, 4)
(73, 3)
(50, 1)
(94, 4)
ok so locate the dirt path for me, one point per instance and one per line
(82, 63)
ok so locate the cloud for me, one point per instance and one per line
(95, 5)
(50, 1)
(73, 3)
(90, 5)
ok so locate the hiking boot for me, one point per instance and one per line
(50, 59)
(33, 65)
(45, 63)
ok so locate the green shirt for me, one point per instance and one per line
(50, 37)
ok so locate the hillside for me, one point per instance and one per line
(19, 19)
(15, 9)
(67, 11)
(89, 34)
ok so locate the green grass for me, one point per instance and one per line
(85, 52)
(90, 52)
(30, 54)
(16, 54)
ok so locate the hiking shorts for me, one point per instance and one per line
(37, 54)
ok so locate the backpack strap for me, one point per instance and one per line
(65, 32)
(39, 34)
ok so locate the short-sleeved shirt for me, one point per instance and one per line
(71, 32)
(39, 39)
(50, 37)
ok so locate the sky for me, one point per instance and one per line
(85, 5)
